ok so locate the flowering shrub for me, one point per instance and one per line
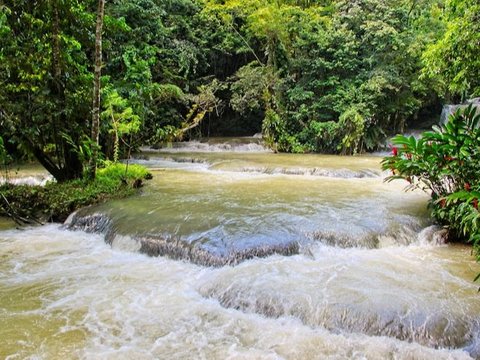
(446, 163)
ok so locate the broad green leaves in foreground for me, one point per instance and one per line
(445, 163)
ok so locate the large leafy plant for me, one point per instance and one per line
(444, 160)
(446, 163)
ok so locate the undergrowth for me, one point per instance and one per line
(55, 201)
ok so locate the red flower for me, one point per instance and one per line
(467, 187)
(475, 203)
(443, 202)
(394, 151)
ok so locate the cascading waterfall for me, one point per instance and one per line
(26, 175)
(246, 144)
(305, 261)
(448, 110)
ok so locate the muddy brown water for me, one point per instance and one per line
(366, 280)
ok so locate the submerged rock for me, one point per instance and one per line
(173, 247)
(434, 235)
(332, 173)
(433, 329)
(195, 253)
(91, 223)
(398, 236)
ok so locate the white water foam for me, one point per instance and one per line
(127, 305)
(38, 180)
(227, 145)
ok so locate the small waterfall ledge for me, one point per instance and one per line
(173, 247)
(451, 109)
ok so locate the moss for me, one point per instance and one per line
(55, 201)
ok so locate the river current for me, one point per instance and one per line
(255, 256)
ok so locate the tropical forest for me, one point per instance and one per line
(228, 179)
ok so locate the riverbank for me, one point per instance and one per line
(53, 202)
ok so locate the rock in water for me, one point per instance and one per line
(174, 247)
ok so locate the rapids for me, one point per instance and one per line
(29, 174)
(304, 257)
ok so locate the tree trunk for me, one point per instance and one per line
(57, 86)
(96, 88)
(69, 165)
(48, 163)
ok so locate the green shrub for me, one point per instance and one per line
(446, 163)
(321, 137)
(444, 160)
(55, 201)
(273, 128)
(352, 124)
(115, 173)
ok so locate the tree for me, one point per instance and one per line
(353, 63)
(45, 81)
(455, 57)
(123, 121)
(96, 87)
(334, 76)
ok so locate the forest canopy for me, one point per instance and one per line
(312, 76)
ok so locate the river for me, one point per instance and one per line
(255, 256)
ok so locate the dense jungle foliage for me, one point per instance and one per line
(313, 76)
